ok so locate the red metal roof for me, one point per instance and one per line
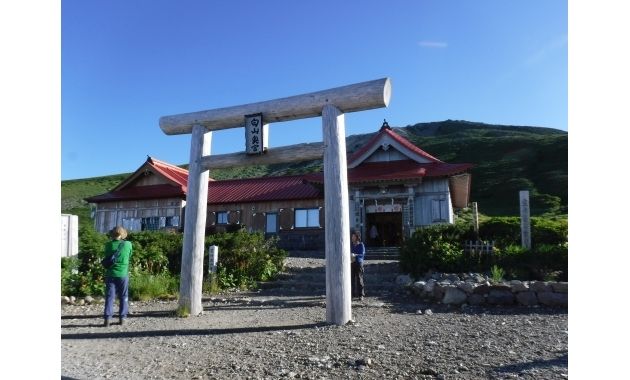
(375, 140)
(261, 189)
(140, 192)
(396, 170)
(172, 172)
(229, 191)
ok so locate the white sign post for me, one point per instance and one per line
(526, 236)
(475, 219)
(213, 258)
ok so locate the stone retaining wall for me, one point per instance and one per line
(476, 289)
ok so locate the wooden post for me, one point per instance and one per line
(526, 237)
(338, 292)
(195, 224)
(475, 219)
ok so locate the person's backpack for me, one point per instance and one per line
(110, 260)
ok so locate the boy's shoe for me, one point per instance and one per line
(122, 321)
(106, 323)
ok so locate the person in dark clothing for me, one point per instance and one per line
(358, 255)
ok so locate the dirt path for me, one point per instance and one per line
(262, 336)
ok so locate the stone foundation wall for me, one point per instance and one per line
(476, 289)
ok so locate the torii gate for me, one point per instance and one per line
(331, 105)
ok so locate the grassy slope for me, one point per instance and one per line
(507, 159)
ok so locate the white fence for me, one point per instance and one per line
(479, 246)
(69, 235)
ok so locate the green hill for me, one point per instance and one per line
(506, 158)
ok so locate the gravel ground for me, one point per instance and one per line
(252, 335)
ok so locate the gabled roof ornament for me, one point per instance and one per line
(385, 125)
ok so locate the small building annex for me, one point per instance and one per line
(394, 188)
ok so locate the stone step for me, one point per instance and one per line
(320, 280)
(321, 277)
(388, 266)
(382, 253)
(320, 288)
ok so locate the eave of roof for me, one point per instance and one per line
(140, 192)
(400, 170)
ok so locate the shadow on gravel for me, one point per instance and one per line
(560, 361)
(411, 305)
(166, 333)
(154, 314)
(277, 303)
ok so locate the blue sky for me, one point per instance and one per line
(127, 63)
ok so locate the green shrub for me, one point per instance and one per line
(549, 231)
(541, 262)
(433, 248)
(245, 258)
(507, 230)
(156, 252)
(497, 274)
(145, 286)
(70, 279)
(90, 281)
(439, 248)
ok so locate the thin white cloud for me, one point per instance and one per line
(433, 44)
(543, 52)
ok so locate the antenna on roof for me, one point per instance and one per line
(385, 125)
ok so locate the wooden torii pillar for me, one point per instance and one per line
(331, 105)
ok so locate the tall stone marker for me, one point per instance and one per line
(526, 235)
(331, 105)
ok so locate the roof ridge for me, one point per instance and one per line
(387, 130)
(410, 145)
(154, 160)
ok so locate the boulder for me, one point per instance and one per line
(527, 298)
(438, 291)
(476, 299)
(540, 286)
(560, 287)
(467, 287)
(482, 289)
(403, 280)
(500, 287)
(418, 287)
(553, 299)
(500, 297)
(454, 296)
(518, 286)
